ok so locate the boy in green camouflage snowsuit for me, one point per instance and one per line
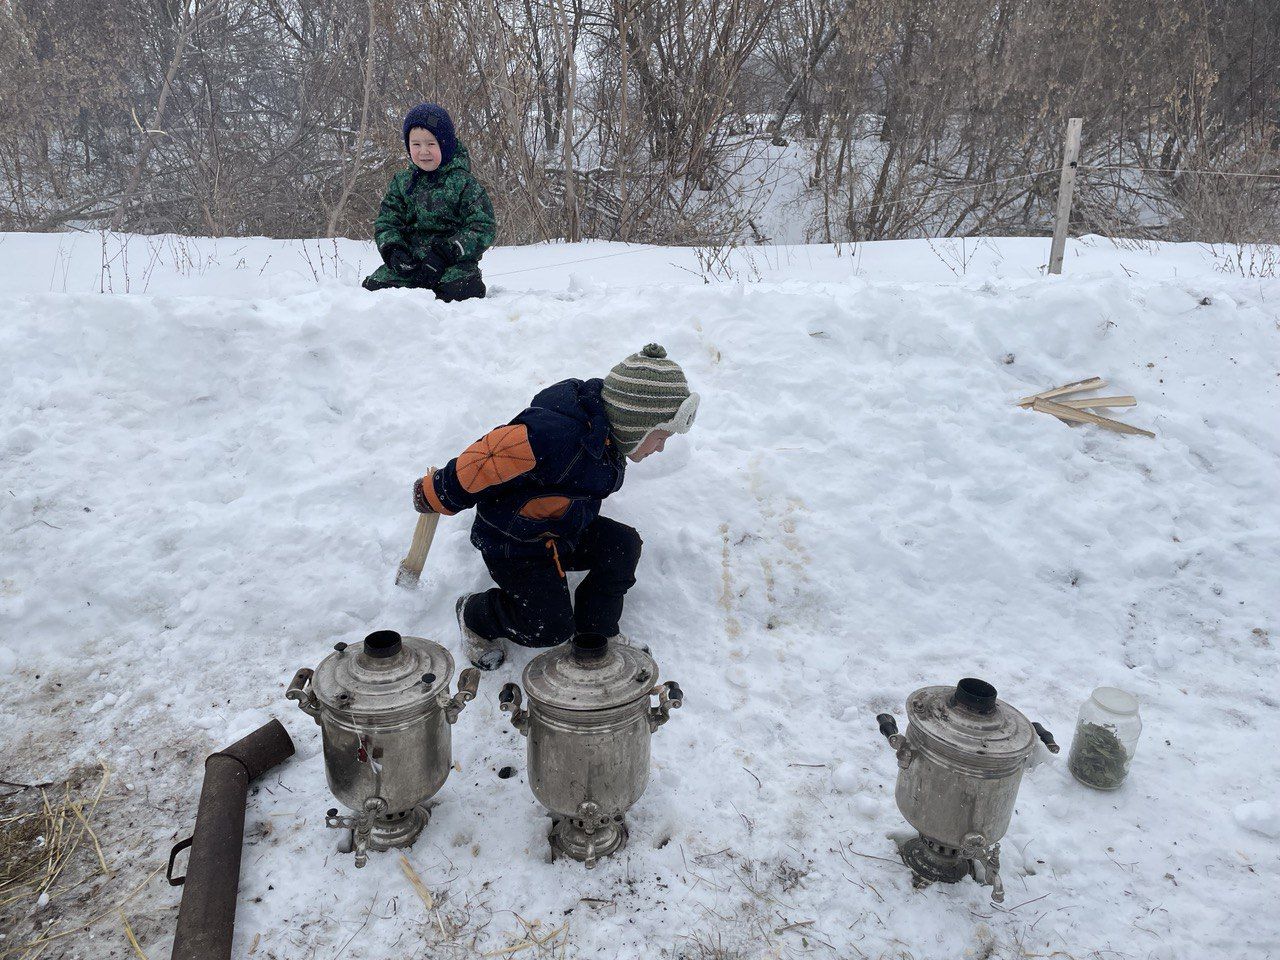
(436, 220)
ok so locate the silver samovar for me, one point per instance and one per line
(588, 725)
(384, 712)
(960, 764)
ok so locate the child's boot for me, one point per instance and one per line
(483, 654)
(623, 639)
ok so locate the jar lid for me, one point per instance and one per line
(590, 673)
(968, 724)
(387, 677)
(1114, 700)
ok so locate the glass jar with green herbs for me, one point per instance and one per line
(1106, 738)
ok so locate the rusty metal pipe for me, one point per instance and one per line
(207, 917)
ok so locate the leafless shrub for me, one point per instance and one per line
(642, 120)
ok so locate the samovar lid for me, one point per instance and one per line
(969, 724)
(589, 673)
(385, 677)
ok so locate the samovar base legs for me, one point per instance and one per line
(930, 861)
(398, 829)
(375, 831)
(587, 840)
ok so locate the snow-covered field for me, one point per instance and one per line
(203, 487)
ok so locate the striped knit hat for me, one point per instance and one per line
(646, 392)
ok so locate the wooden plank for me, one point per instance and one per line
(1071, 414)
(1066, 188)
(1079, 386)
(1095, 403)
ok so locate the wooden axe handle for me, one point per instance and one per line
(411, 566)
(423, 534)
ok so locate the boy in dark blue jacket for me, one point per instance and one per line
(537, 484)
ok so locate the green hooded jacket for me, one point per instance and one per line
(447, 204)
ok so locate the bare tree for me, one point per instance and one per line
(640, 119)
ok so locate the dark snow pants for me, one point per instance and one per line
(530, 604)
(469, 289)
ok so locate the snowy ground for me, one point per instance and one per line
(203, 487)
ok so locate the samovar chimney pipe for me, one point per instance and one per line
(976, 695)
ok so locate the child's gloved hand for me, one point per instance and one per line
(419, 498)
(450, 251)
(428, 270)
(399, 258)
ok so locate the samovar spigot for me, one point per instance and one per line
(360, 825)
(977, 851)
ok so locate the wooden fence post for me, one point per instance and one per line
(1066, 187)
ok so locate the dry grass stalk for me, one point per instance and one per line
(54, 827)
(133, 941)
(532, 940)
(40, 941)
(60, 856)
(514, 948)
(97, 847)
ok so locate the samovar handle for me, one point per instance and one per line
(1046, 738)
(509, 700)
(468, 684)
(889, 730)
(670, 697)
(300, 690)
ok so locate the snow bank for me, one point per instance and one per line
(204, 487)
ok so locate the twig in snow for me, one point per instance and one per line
(750, 825)
(793, 926)
(870, 857)
(1123, 866)
(368, 910)
(1025, 902)
(700, 879)
(702, 857)
(1069, 906)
